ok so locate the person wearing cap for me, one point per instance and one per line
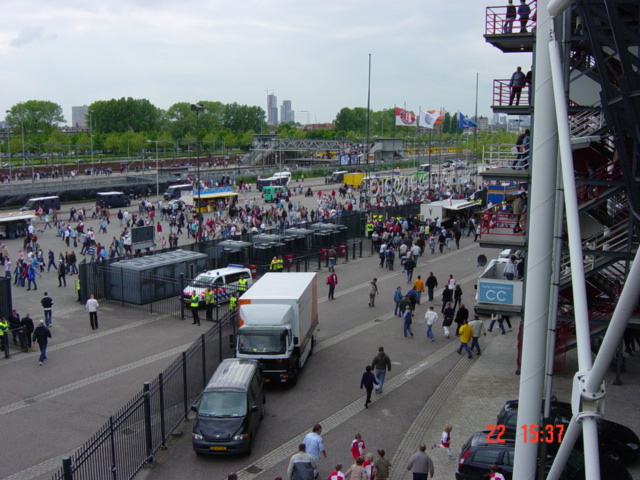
(42, 336)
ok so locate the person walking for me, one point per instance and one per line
(42, 335)
(337, 474)
(447, 313)
(357, 445)
(62, 274)
(47, 306)
(332, 281)
(380, 364)
(397, 298)
(432, 284)
(477, 329)
(431, 317)
(92, 307)
(367, 381)
(421, 464)
(465, 337)
(382, 467)
(195, 304)
(314, 445)
(331, 253)
(445, 441)
(407, 318)
(209, 303)
(302, 465)
(409, 266)
(457, 296)
(357, 470)
(418, 286)
(373, 292)
(462, 315)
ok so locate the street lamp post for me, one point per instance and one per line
(157, 169)
(196, 107)
(9, 147)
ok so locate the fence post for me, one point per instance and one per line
(147, 421)
(219, 334)
(66, 468)
(163, 427)
(184, 386)
(319, 261)
(346, 253)
(361, 248)
(112, 441)
(204, 362)
(181, 280)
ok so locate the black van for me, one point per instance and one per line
(112, 200)
(230, 408)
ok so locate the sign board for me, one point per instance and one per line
(142, 237)
(500, 292)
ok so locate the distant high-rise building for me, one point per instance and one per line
(79, 116)
(483, 124)
(272, 109)
(286, 114)
(303, 116)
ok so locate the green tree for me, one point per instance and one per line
(35, 116)
(351, 119)
(124, 114)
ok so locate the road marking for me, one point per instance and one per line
(284, 451)
(90, 380)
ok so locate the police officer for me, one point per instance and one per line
(4, 327)
(233, 302)
(369, 229)
(208, 300)
(243, 284)
(78, 289)
(274, 264)
(195, 303)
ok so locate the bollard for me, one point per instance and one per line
(147, 422)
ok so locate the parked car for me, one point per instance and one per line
(483, 450)
(617, 442)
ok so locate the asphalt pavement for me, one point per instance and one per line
(49, 411)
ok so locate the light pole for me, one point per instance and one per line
(196, 107)
(9, 147)
(128, 155)
(93, 165)
(157, 169)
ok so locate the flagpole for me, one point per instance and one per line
(366, 144)
(475, 130)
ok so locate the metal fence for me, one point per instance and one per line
(132, 436)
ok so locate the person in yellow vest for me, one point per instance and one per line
(208, 301)
(195, 303)
(369, 229)
(233, 302)
(243, 285)
(274, 264)
(4, 327)
(280, 263)
(78, 289)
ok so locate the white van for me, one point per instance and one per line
(223, 281)
(176, 191)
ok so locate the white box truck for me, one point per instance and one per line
(278, 319)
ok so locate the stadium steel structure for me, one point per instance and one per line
(584, 177)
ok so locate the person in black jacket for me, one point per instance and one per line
(367, 381)
(432, 283)
(28, 328)
(42, 336)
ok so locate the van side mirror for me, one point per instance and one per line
(232, 341)
(194, 408)
(254, 409)
(296, 340)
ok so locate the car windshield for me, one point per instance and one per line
(223, 404)
(261, 342)
(202, 281)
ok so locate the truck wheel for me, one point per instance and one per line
(313, 342)
(295, 372)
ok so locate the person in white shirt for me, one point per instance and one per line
(431, 317)
(92, 307)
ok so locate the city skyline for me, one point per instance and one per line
(421, 55)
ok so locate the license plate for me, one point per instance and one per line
(218, 448)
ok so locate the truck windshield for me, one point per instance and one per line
(223, 404)
(262, 342)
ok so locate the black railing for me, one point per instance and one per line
(131, 437)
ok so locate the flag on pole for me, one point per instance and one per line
(430, 118)
(405, 118)
(466, 122)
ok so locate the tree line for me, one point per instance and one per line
(129, 125)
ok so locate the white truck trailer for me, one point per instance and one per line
(278, 319)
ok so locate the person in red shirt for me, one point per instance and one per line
(495, 473)
(332, 281)
(357, 447)
(337, 475)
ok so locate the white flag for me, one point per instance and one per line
(430, 119)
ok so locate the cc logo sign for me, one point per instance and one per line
(493, 296)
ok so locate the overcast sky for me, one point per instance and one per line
(424, 53)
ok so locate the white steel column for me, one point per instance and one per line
(540, 252)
